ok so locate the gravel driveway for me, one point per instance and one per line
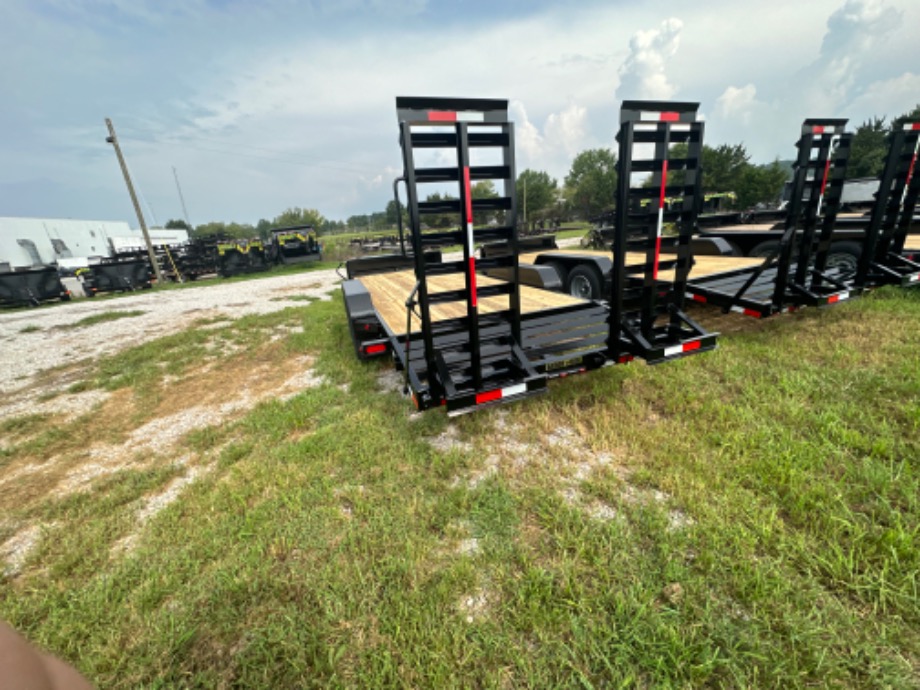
(32, 340)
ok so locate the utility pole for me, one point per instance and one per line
(182, 200)
(112, 139)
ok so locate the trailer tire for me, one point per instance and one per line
(584, 282)
(845, 257)
(764, 249)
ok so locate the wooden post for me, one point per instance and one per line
(112, 139)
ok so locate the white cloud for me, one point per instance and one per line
(738, 103)
(642, 75)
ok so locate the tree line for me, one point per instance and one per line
(588, 190)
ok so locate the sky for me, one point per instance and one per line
(256, 107)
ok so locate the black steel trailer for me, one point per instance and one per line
(466, 340)
(795, 272)
(236, 257)
(121, 275)
(31, 286)
(295, 244)
(883, 260)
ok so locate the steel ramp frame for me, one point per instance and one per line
(795, 274)
(639, 299)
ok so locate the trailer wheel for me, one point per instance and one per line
(844, 256)
(584, 282)
(764, 249)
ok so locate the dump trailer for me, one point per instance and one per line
(468, 340)
(295, 244)
(31, 286)
(121, 275)
(236, 257)
(796, 271)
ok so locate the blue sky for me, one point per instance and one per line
(265, 105)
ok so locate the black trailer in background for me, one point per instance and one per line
(466, 339)
(883, 261)
(795, 274)
(31, 286)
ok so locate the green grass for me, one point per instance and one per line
(102, 318)
(31, 328)
(760, 526)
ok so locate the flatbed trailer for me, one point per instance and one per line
(795, 273)
(466, 340)
(884, 261)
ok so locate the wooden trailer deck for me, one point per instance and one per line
(703, 267)
(390, 290)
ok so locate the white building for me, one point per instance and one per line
(33, 241)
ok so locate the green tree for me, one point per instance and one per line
(723, 167)
(391, 215)
(177, 225)
(536, 194)
(485, 189)
(868, 149)
(299, 216)
(592, 182)
(760, 184)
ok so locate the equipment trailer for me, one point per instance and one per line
(883, 260)
(466, 340)
(795, 273)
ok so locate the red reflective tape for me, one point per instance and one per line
(441, 116)
(475, 299)
(488, 396)
(915, 126)
(657, 255)
(670, 117)
(467, 189)
(910, 172)
(374, 349)
(818, 129)
(698, 298)
(690, 347)
(827, 171)
(833, 299)
(664, 183)
(751, 312)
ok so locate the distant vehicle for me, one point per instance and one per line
(295, 244)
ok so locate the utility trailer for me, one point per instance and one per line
(884, 261)
(467, 340)
(795, 272)
(121, 275)
(237, 257)
(295, 244)
(31, 286)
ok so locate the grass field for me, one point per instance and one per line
(248, 506)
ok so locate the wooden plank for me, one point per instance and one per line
(390, 290)
(703, 267)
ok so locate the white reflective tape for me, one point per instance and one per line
(514, 390)
(469, 237)
(645, 127)
(842, 296)
(914, 278)
(673, 350)
(470, 117)
(680, 127)
(737, 310)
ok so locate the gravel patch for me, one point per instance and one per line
(27, 354)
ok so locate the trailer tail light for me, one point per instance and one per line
(374, 349)
(833, 299)
(625, 359)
